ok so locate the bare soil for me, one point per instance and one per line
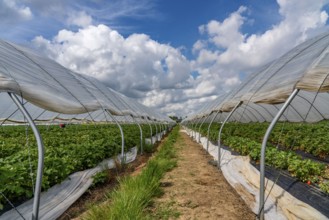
(196, 189)
(99, 194)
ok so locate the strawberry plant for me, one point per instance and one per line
(67, 150)
(324, 186)
(246, 139)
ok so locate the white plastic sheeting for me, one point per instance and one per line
(57, 90)
(55, 201)
(244, 178)
(299, 78)
(305, 67)
(53, 94)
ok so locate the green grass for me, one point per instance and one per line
(67, 150)
(134, 194)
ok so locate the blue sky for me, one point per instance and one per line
(178, 21)
(174, 55)
(166, 21)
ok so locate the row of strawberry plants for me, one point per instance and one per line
(67, 150)
(246, 140)
(303, 169)
(15, 138)
(311, 138)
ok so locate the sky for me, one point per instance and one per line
(172, 55)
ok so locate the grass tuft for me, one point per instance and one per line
(134, 194)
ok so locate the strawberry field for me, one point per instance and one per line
(67, 150)
(302, 149)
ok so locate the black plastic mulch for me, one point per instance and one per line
(309, 194)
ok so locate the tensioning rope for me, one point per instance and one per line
(12, 205)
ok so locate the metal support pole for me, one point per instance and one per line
(187, 127)
(262, 156)
(150, 130)
(221, 128)
(193, 125)
(193, 128)
(37, 190)
(166, 127)
(200, 128)
(163, 129)
(160, 132)
(188, 123)
(190, 128)
(122, 136)
(156, 131)
(141, 133)
(212, 120)
(196, 130)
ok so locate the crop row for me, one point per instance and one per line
(311, 138)
(246, 140)
(67, 150)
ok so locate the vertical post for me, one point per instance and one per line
(200, 128)
(160, 130)
(221, 128)
(263, 150)
(191, 127)
(195, 126)
(188, 125)
(151, 130)
(37, 191)
(166, 127)
(212, 120)
(156, 131)
(122, 136)
(140, 131)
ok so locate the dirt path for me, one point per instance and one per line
(197, 190)
(98, 195)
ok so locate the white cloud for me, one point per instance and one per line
(230, 51)
(80, 19)
(248, 51)
(12, 12)
(226, 34)
(159, 75)
(176, 101)
(134, 65)
(200, 44)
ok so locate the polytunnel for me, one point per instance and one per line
(36, 92)
(292, 88)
